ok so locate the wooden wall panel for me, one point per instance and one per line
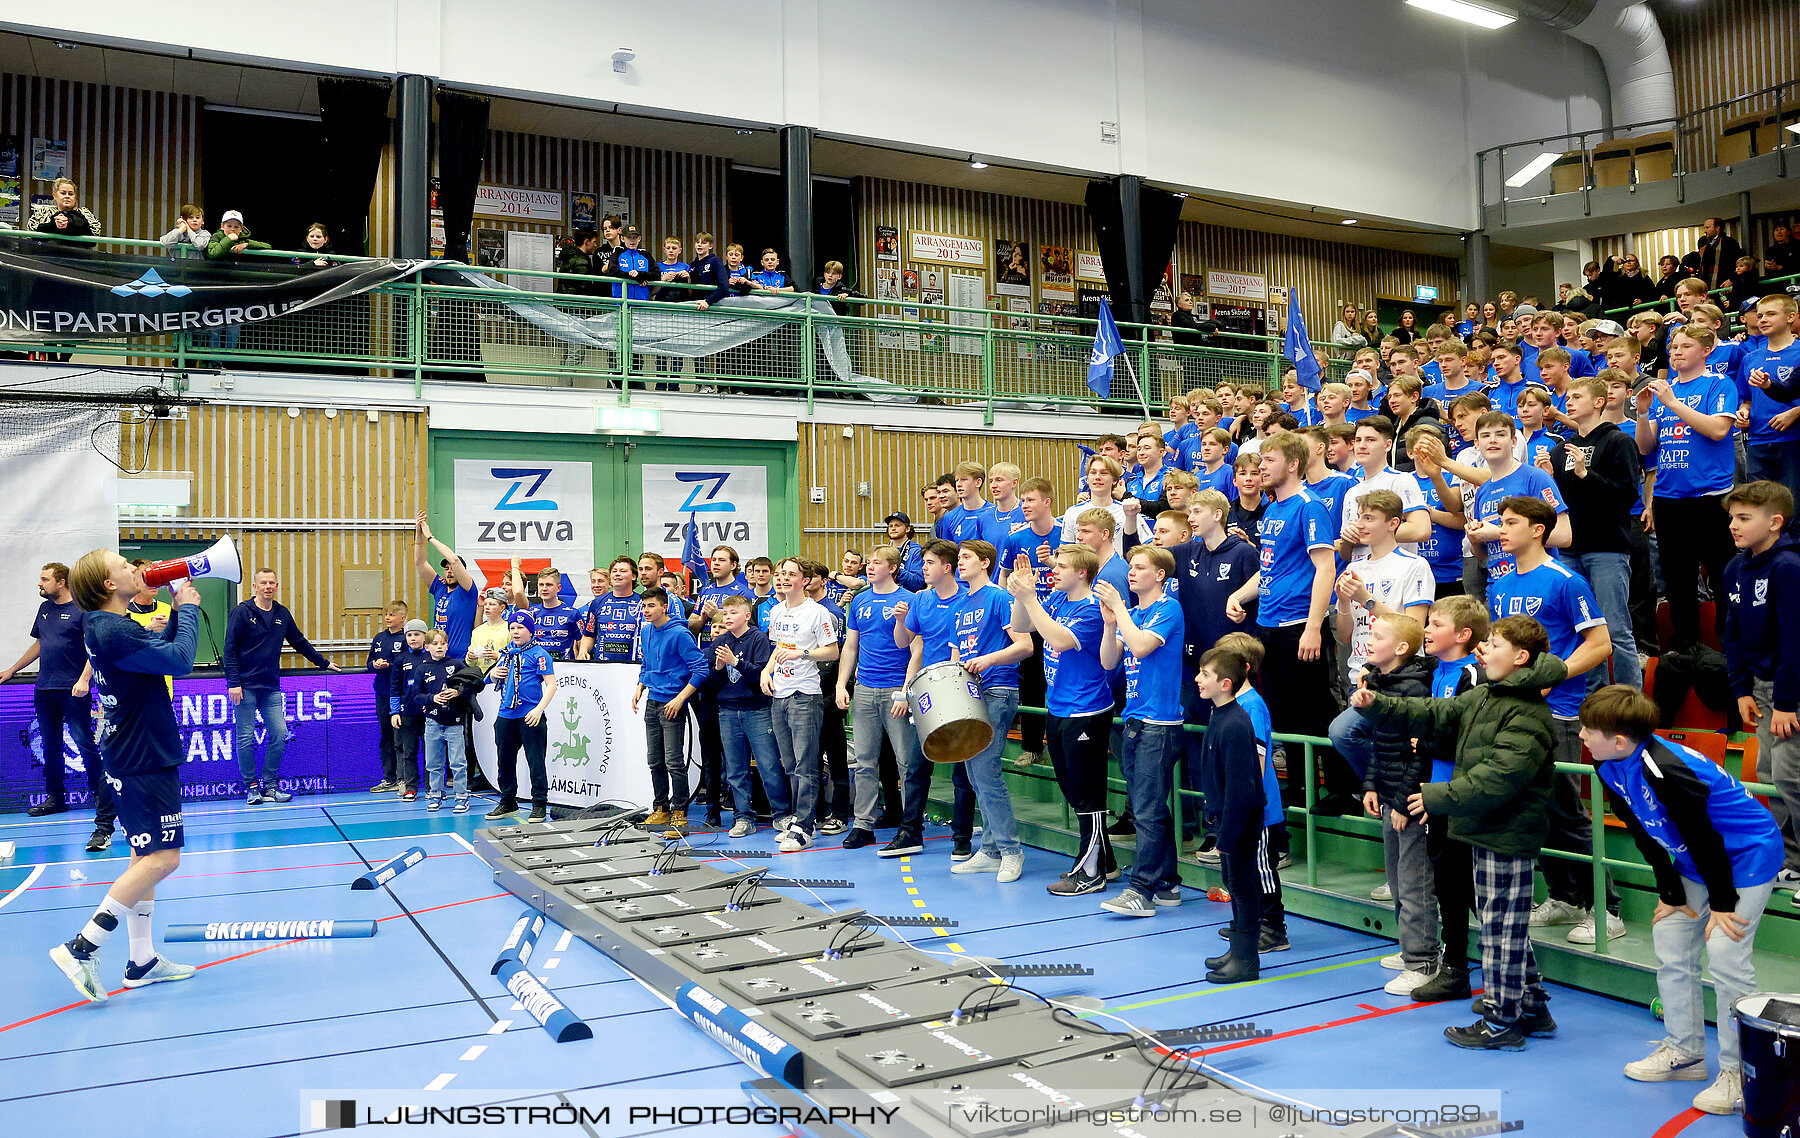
(896, 463)
(308, 496)
(1723, 49)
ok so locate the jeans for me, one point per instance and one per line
(444, 748)
(268, 702)
(1609, 575)
(1148, 766)
(407, 764)
(870, 715)
(57, 709)
(1415, 900)
(1774, 462)
(1678, 939)
(509, 736)
(664, 746)
(746, 733)
(1354, 737)
(1643, 590)
(1778, 762)
(1700, 540)
(999, 830)
(796, 720)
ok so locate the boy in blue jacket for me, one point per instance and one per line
(1762, 643)
(672, 671)
(1714, 851)
(406, 710)
(1232, 759)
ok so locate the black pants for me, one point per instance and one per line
(387, 733)
(1197, 711)
(834, 787)
(1031, 694)
(711, 784)
(1298, 693)
(1695, 536)
(1642, 589)
(509, 736)
(1453, 880)
(407, 738)
(1269, 847)
(1238, 865)
(1077, 748)
(59, 708)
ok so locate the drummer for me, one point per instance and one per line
(927, 626)
(989, 648)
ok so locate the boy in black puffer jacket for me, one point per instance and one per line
(1395, 668)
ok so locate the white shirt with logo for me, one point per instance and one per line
(1398, 580)
(803, 626)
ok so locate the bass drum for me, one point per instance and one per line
(947, 709)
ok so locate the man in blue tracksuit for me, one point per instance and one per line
(254, 634)
(1715, 852)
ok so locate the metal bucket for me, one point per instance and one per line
(1768, 1026)
(947, 709)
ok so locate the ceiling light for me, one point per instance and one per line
(1531, 169)
(745, 133)
(977, 164)
(65, 45)
(1476, 14)
(1348, 221)
(1795, 128)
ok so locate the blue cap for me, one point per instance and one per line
(523, 618)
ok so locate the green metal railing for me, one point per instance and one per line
(943, 353)
(1636, 871)
(1667, 304)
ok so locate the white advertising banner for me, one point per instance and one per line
(519, 203)
(730, 504)
(539, 512)
(596, 749)
(1089, 267)
(948, 248)
(1241, 286)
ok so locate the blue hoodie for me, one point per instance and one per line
(1762, 621)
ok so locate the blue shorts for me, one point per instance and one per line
(150, 809)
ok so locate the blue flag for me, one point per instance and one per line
(1087, 452)
(1299, 345)
(691, 560)
(1107, 345)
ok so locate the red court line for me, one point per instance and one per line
(1679, 1123)
(1377, 1014)
(234, 872)
(242, 955)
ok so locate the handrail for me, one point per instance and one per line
(1775, 89)
(1658, 304)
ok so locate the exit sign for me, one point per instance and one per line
(1422, 293)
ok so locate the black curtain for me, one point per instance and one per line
(1132, 274)
(353, 113)
(462, 146)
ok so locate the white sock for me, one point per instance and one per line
(137, 926)
(100, 926)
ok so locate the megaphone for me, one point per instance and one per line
(221, 561)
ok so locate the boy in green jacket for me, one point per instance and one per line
(1497, 801)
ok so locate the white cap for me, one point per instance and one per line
(232, 215)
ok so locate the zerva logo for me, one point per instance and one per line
(518, 495)
(711, 485)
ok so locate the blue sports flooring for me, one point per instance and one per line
(250, 1041)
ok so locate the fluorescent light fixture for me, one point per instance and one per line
(1348, 221)
(977, 164)
(1795, 128)
(1481, 17)
(1531, 169)
(630, 420)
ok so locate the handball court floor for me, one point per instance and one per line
(248, 1042)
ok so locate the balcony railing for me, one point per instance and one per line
(530, 335)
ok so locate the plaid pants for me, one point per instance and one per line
(1503, 890)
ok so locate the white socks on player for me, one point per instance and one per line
(100, 926)
(137, 926)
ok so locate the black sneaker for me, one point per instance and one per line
(1537, 1024)
(1484, 1036)
(1273, 940)
(902, 845)
(100, 841)
(538, 813)
(1125, 827)
(502, 809)
(1449, 983)
(961, 850)
(276, 794)
(716, 821)
(1076, 883)
(48, 806)
(858, 838)
(1336, 806)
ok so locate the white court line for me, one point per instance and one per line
(552, 963)
(440, 1082)
(562, 943)
(241, 810)
(500, 1025)
(22, 886)
(185, 854)
(465, 843)
(473, 1053)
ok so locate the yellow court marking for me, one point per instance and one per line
(912, 892)
(907, 880)
(920, 904)
(954, 947)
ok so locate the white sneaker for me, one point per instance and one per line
(742, 828)
(1403, 984)
(982, 862)
(1583, 933)
(1012, 867)
(1381, 892)
(1396, 962)
(160, 970)
(1554, 912)
(1666, 1064)
(793, 839)
(1788, 877)
(1725, 1096)
(81, 972)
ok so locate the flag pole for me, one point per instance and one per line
(1143, 400)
